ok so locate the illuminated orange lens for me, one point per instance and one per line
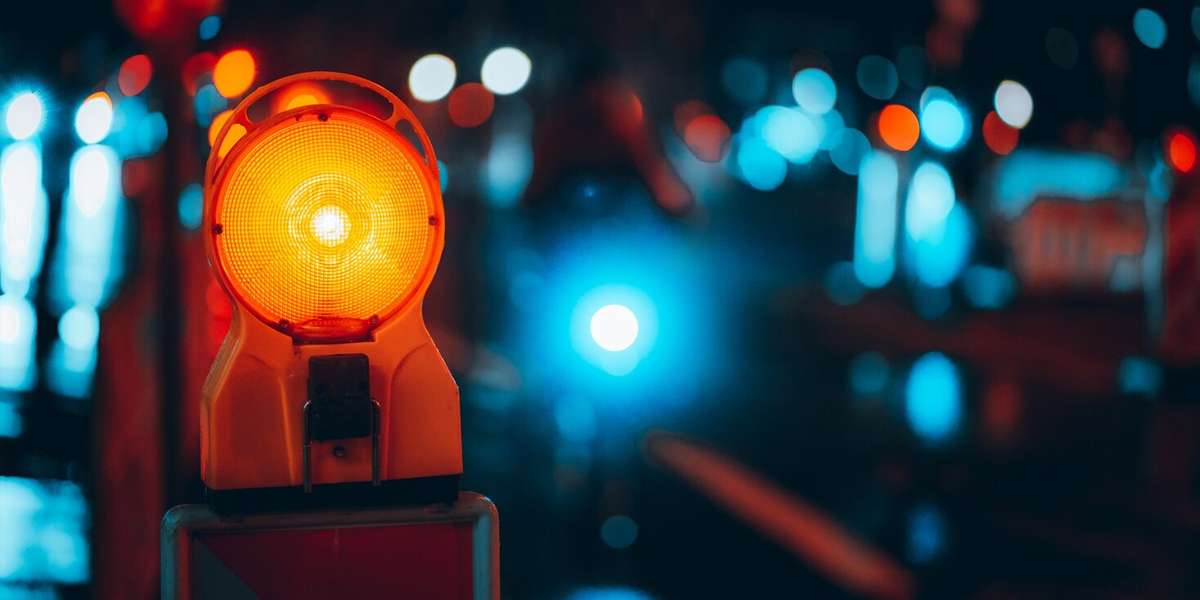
(321, 225)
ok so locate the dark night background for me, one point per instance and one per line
(1010, 412)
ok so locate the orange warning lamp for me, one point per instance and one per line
(324, 225)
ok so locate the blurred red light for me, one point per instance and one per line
(898, 127)
(687, 112)
(134, 75)
(1001, 138)
(1182, 152)
(708, 137)
(471, 105)
(194, 67)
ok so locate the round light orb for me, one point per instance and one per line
(24, 115)
(614, 327)
(506, 71)
(1014, 104)
(432, 77)
(94, 119)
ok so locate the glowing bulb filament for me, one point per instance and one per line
(331, 225)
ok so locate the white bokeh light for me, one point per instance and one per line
(94, 119)
(506, 71)
(614, 327)
(24, 115)
(432, 77)
(1014, 104)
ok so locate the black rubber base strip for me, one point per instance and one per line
(423, 490)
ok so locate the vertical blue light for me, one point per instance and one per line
(23, 217)
(18, 329)
(938, 228)
(875, 221)
(508, 168)
(934, 399)
(87, 266)
(23, 213)
(931, 196)
(926, 533)
(91, 207)
(73, 356)
(191, 206)
(942, 253)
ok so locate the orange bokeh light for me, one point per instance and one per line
(898, 127)
(296, 96)
(217, 123)
(301, 100)
(234, 73)
(1182, 152)
(236, 131)
(134, 75)
(708, 137)
(471, 104)
(998, 135)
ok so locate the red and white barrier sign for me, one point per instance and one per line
(437, 552)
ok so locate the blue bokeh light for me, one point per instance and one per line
(619, 532)
(1139, 375)
(789, 132)
(760, 165)
(814, 90)
(1026, 174)
(210, 26)
(18, 329)
(877, 77)
(44, 536)
(207, 104)
(745, 80)
(943, 124)
(869, 374)
(930, 198)
(926, 533)
(848, 152)
(988, 287)
(609, 593)
(1150, 28)
(934, 399)
(944, 249)
(191, 206)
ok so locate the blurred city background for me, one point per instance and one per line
(857, 299)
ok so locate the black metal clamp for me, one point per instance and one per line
(340, 407)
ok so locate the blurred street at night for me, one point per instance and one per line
(860, 299)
